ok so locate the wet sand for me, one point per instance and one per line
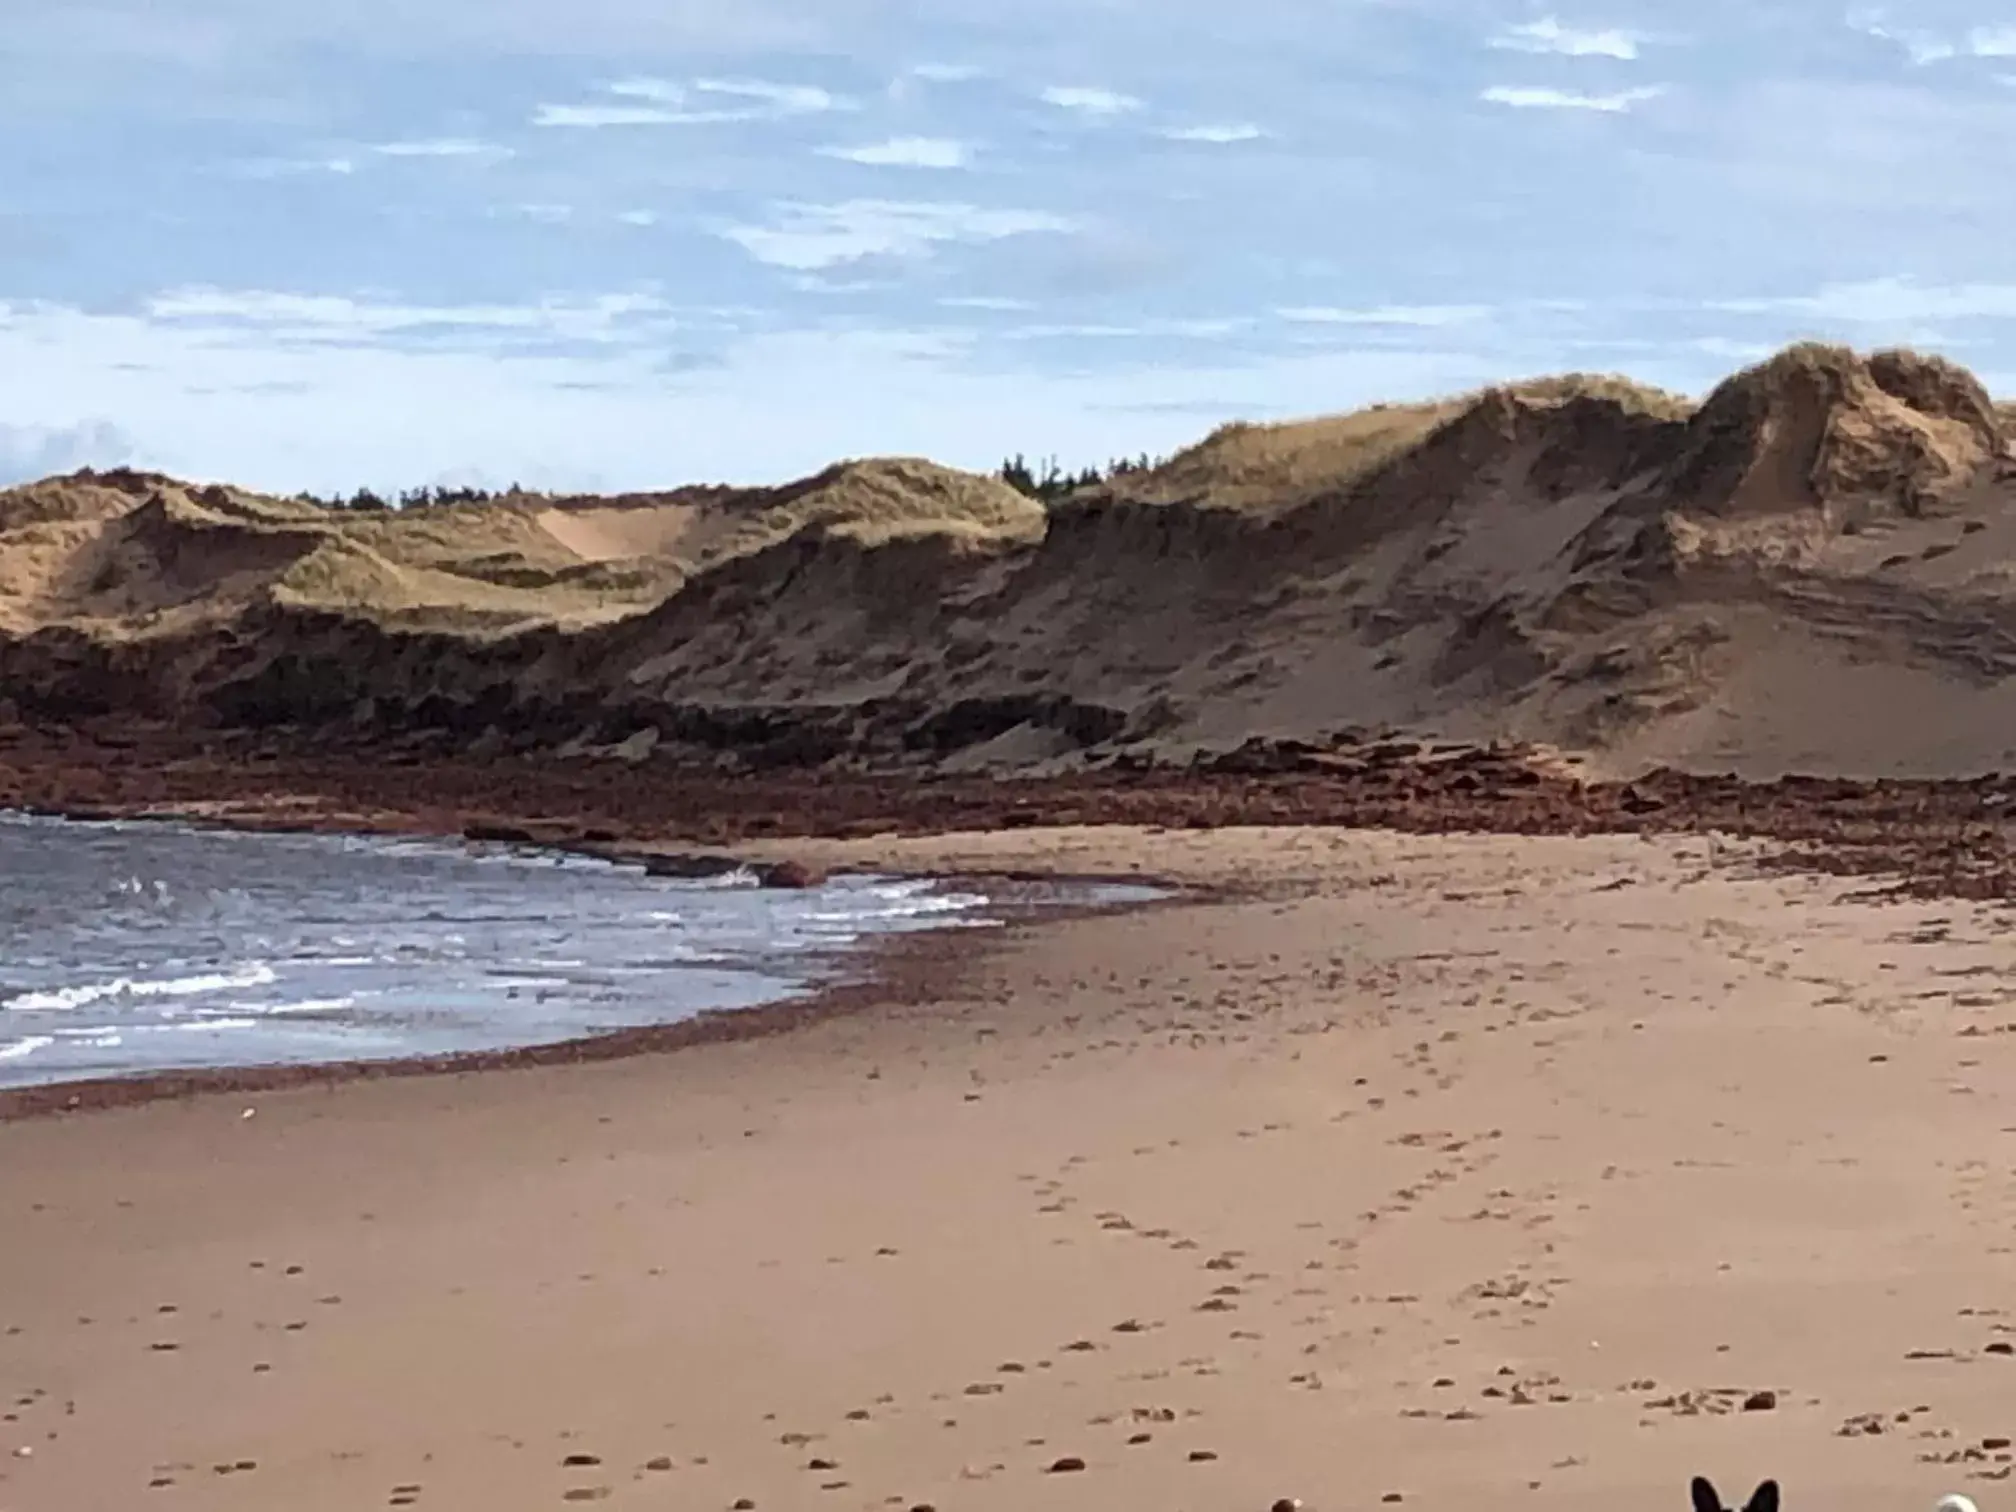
(1465, 1171)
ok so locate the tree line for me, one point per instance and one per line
(366, 501)
(1046, 481)
(1054, 482)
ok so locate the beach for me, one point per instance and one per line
(1456, 1170)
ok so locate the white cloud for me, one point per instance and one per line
(946, 73)
(1523, 98)
(346, 319)
(984, 302)
(28, 452)
(778, 99)
(441, 147)
(1922, 47)
(670, 104)
(273, 168)
(1425, 316)
(1548, 35)
(905, 152)
(638, 217)
(1743, 352)
(1101, 103)
(807, 238)
(1992, 42)
(1193, 330)
(627, 415)
(1231, 131)
(1887, 301)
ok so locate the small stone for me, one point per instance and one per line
(1070, 1464)
(1202, 1456)
(821, 1464)
(580, 1461)
(1287, 1504)
(1392, 1496)
(662, 1463)
(1760, 1401)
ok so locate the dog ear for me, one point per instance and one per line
(1706, 1497)
(1764, 1498)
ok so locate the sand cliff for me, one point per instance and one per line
(1813, 569)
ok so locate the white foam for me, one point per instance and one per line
(741, 876)
(65, 999)
(21, 1049)
(901, 906)
(307, 1005)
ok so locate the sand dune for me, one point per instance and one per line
(1812, 569)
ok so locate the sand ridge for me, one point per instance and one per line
(1730, 585)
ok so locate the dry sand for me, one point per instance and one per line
(1478, 1172)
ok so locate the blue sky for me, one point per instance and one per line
(630, 243)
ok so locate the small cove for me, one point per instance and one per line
(136, 948)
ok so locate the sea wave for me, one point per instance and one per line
(67, 999)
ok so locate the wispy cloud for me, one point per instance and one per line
(807, 238)
(638, 217)
(1887, 301)
(442, 147)
(1101, 103)
(1222, 133)
(1992, 42)
(905, 152)
(774, 99)
(1190, 330)
(276, 168)
(28, 452)
(666, 103)
(1922, 47)
(1422, 316)
(593, 117)
(1548, 35)
(344, 319)
(1521, 97)
(946, 73)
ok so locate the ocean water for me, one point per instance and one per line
(128, 948)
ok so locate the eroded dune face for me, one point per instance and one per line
(1812, 569)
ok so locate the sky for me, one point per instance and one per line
(623, 244)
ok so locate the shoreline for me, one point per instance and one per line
(880, 970)
(1905, 853)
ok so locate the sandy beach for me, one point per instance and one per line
(1450, 1171)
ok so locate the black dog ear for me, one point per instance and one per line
(1706, 1497)
(1764, 1498)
